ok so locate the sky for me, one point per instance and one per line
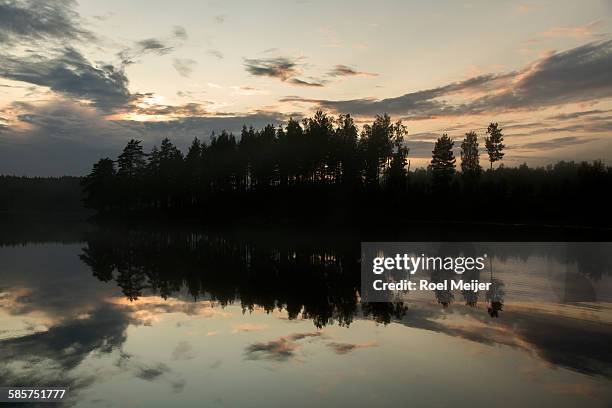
(79, 79)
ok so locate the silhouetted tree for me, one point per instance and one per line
(347, 136)
(99, 186)
(470, 161)
(377, 146)
(131, 165)
(396, 173)
(494, 143)
(442, 165)
(193, 171)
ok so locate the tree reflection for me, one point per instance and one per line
(315, 281)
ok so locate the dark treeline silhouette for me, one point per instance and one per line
(40, 194)
(327, 169)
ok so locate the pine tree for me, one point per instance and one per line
(396, 174)
(442, 164)
(470, 162)
(494, 144)
(131, 161)
(131, 172)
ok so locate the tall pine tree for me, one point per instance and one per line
(442, 165)
(470, 161)
(494, 143)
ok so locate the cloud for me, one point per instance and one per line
(187, 109)
(576, 115)
(343, 348)
(150, 372)
(247, 90)
(556, 143)
(69, 343)
(280, 350)
(281, 68)
(180, 32)
(184, 66)
(587, 30)
(578, 75)
(416, 105)
(215, 53)
(142, 47)
(24, 21)
(69, 73)
(301, 82)
(220, 19)
(183, 351)
(592, 125)
(343, 71)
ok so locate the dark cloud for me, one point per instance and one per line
(282, 349)
(343, 70)
(421, 104)
(343, 348)
(577, 344)
(301, 82)
(32, 20)
(281, 68)
(69, 343)
(187, 109)
(142, 47)
(65, 138)
(591, 125)
(578, 75)
(180, 32)
(577, 115)
(556, 143)
(277, 350)
(184, 66)
(151, 373)
(71, 74)
(215, 53)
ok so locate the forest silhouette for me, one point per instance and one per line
(326, 169)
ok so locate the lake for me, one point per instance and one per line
(159, 317)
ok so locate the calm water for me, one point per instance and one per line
(183, 318)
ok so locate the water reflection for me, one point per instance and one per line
(175, 308)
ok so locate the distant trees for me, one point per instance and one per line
(442, 165)
(494, 143)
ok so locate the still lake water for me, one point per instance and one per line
(157, 318)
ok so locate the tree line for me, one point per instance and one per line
(328, 167)
(40, 194)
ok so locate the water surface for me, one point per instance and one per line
(192, 318)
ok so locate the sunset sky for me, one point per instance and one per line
(79, 79)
